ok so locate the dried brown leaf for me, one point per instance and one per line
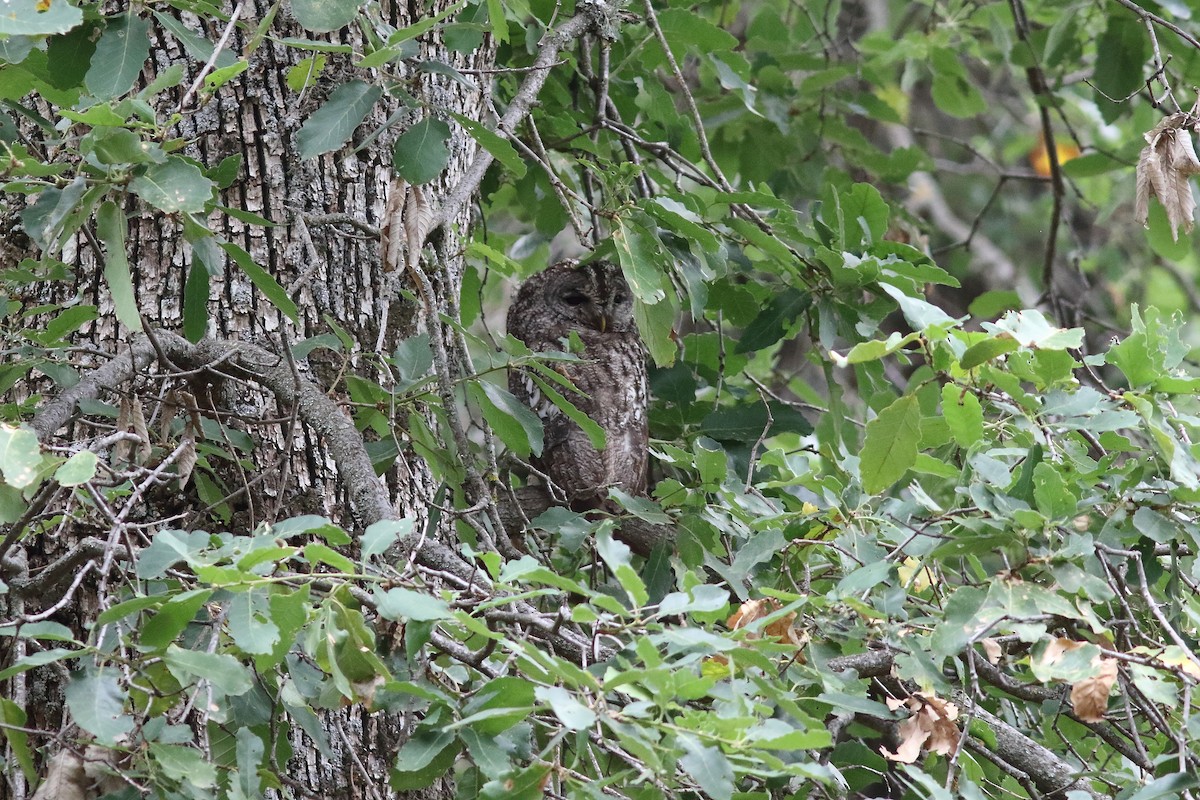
(1089, 697)
(748, 612)
(912, 736)
(782, 628)
(65, 778)
(1164, 165)
(992, 649)
(391, 233)
(137, 421)
(937, 716)
(931, 726)
(186, 461)
(123, 450)
(1057, 648)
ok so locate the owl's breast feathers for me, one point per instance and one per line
(610, 379)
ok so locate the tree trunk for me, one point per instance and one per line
(323, 248)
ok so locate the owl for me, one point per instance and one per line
(594, 303)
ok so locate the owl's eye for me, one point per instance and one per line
(575, 298)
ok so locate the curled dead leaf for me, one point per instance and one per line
(992, 649)
(1163, 169)
(749, 611)
(186, 461)
(912, 736)
(137, 420)
(931, 727)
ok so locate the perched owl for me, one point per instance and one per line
(594, 302)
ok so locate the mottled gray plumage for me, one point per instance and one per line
(595, 303)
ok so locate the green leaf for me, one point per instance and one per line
(14, 49)
(1118, 71)
(964, 415)
(250, 622)
(171, 619)
(39, 658)
(323, 16)
(617, 556)
(185, 764)
(420, 152)
(332, 125)
(656, 323)
(78, 469)
(226, 674)
(514, 422)
(498, 705)
(1051, 493)
(36, 18)
(494, 143)
(689, 31)
(589, 426)
(20, 456)
(1167, 786)
(67, 56)
(122, 146)
(890, 448)
(119, 57)
(12, 720)
(638, 253)
(321, 554)
(424, 758)
(571, 713)
(263, 281)
(174, 186)
(1152, 351)
(526, 784)
(783, 311)
(97, 704)
(195, 302)
(305, 73)
(110, 228)
(984, 351)
(404, 604)
(952, 89)
(44, 219)
(708, 766)
(250, 752)
(379, 536)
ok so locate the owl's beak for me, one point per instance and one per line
(603, 323)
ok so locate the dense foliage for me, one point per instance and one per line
(926, 526)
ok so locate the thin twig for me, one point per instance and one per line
(212, 59)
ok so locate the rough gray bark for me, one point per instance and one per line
(324, 250)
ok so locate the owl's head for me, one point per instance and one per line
(590, 297)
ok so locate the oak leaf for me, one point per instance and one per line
(1163, 169)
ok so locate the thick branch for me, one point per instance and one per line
(120, 370)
